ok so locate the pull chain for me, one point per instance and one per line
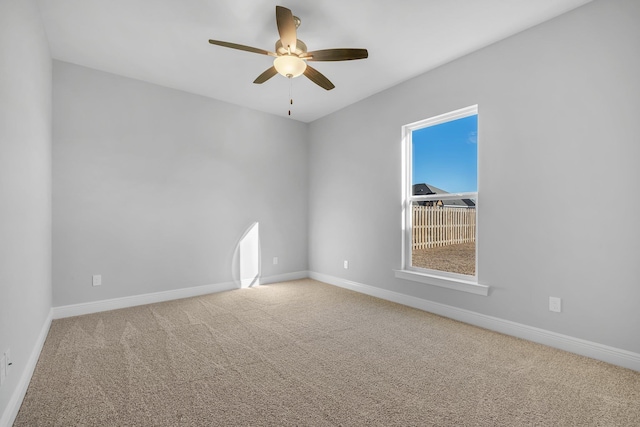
(290, 96)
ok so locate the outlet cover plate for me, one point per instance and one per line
(555, 304)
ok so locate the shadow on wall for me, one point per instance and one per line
(245, 266)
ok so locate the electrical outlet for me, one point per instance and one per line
(97, 280)
(275, 260)
(346, 264)
(555, 304)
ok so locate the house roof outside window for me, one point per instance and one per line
(428, 189)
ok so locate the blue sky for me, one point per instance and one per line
(446, 155)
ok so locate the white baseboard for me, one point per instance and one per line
(132, 301)
(579, 346)
(11, 411)
(296, 275)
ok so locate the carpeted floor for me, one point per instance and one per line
(309, 354)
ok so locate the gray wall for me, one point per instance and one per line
(153, 187)
(25, 185)
(558, 176)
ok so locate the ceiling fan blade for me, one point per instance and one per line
(336, 55)
(286, 27)
(266, 75)
(242, 47)
(318, 78)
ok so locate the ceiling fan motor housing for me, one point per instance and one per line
(283, 50)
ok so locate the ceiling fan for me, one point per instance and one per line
(291, 54)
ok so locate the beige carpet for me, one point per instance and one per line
(309, 354)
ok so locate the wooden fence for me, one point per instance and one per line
(440, 226)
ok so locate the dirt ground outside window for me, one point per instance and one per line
(460, 258)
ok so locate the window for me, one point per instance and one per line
(440, 198)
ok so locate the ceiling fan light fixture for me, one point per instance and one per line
(289, 65)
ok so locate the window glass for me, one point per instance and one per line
(443, 193)
(445, 156)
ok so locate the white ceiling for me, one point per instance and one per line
(166, 42)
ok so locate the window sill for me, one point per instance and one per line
(444, 282)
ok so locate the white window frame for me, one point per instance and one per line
(461, 282)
